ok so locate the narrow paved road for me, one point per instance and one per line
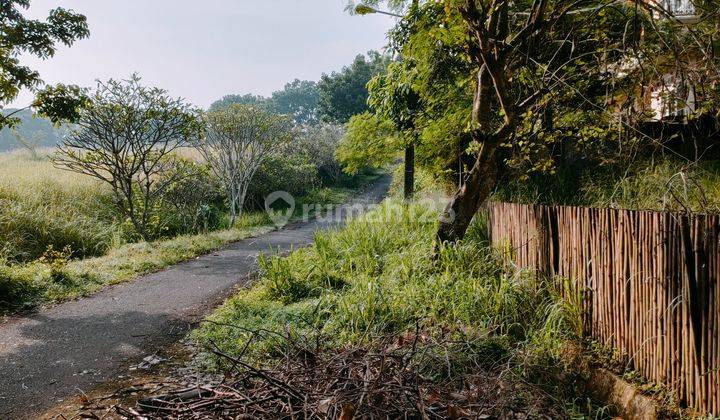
(49, 356)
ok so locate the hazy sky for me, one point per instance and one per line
(202, 50)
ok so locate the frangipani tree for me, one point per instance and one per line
(238, 139)
(126, 137)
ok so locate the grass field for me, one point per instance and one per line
(61, 238)
(42, 205)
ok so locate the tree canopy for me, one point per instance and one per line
(247, 99)
(19, 35)
(334, 99)
(299, 99)
(344, 94)
(506, 89)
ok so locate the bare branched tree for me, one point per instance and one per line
(126, 137)
(238, 138)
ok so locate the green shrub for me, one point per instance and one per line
(55, 277)
(193, 203)
(18, 288)
(291, 172)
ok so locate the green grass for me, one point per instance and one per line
(374, 279)
(27, 285)
(42, 205)
(663, 185)
(666, 184)
(45, 211)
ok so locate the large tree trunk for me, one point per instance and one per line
(466, 202)
(480, 180)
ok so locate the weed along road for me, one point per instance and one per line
(56, 353)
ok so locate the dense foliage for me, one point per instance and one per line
(570, 85)
(247, 99)
(344, 94)
(299, 99)
(334, 99)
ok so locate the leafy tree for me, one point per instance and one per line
(393, 98)
(60, 102)
(238, 139)
(126, 137)
(289, 169)
(247, 99)
(299, 99)
(20, 35)
(557, 84)
(426, 96)
(320, 143)
(344, 94)
(369, 141)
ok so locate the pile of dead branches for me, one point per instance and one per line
(381, 381)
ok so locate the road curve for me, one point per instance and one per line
(51, 355)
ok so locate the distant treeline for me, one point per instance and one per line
(32, 131)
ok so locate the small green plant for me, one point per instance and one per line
(57, 261)
(282, 283)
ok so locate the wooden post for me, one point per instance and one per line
(409, 171)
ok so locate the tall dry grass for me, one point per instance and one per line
(42, 206)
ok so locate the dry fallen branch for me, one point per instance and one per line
(382, 381)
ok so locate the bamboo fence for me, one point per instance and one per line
(649, 283)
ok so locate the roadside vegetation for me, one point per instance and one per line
(62, 239)
(582, 103)
(110, 204)
(58, 276)
(140, 179)
(374, 288)
(666, 183)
